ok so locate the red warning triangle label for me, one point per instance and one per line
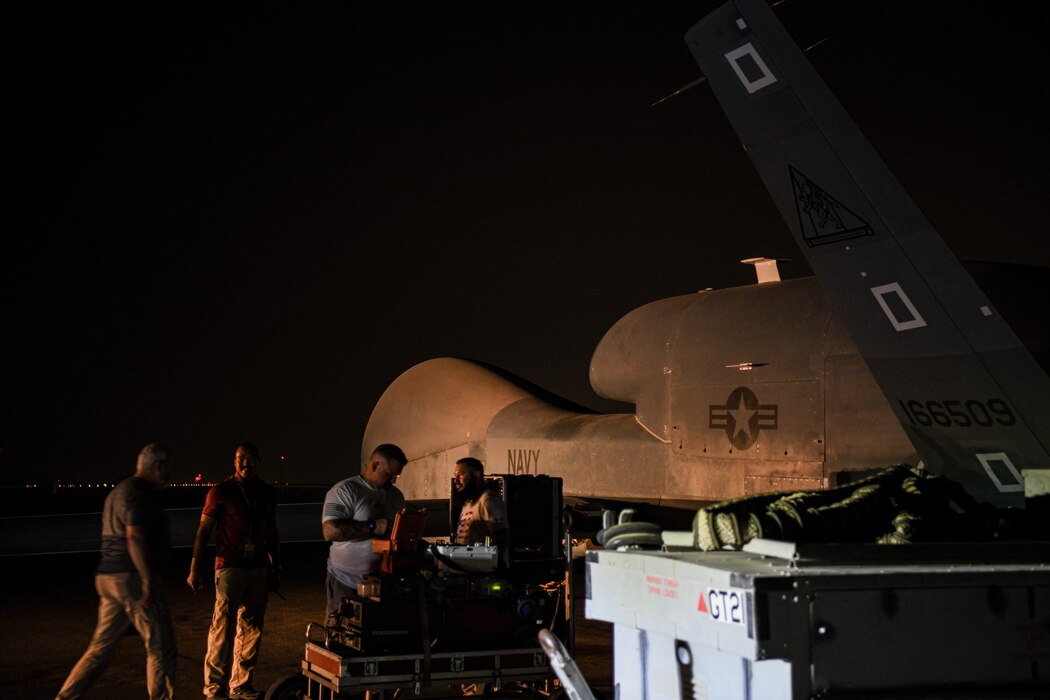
(702, 606)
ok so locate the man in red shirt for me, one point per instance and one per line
(242, 510)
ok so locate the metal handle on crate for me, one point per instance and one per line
(309, 635)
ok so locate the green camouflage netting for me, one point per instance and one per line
(898, 505)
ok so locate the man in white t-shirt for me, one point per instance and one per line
(356, 510)
(484, 513)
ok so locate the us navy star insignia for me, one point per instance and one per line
(743, 418)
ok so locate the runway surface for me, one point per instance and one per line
(81, 532)
(48, 607)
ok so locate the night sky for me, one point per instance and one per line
(243, 224)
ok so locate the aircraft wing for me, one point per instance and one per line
(971, 398)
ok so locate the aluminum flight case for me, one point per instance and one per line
(330, 673)
(784, 621)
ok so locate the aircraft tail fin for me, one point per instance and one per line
(970, 396)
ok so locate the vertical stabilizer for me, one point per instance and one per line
(973, 401)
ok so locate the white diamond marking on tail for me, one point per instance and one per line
(916, 320)
(988, 458)
(753, 62)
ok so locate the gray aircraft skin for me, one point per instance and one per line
(891, 354)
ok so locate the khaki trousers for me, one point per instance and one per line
(118, 607)
(236, 630)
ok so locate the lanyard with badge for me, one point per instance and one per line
(248, 550)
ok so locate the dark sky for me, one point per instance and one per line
(243, 224)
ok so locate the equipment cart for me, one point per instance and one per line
(446, 620)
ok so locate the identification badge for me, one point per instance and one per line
(249, 548)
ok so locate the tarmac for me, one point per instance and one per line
(48, 607)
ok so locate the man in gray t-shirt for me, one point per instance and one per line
(133, 503)
(356, 510)
(135, 548)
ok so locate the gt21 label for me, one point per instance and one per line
(965, 413)
(726, 605)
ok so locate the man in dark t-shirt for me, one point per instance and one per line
(242, 510)
(135, 548)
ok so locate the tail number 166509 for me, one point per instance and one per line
(964, 413)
